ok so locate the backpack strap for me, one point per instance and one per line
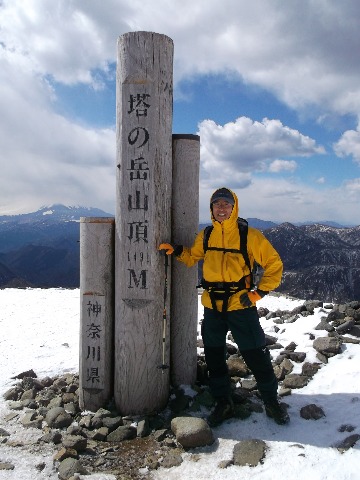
(207, 233)
(243, 232)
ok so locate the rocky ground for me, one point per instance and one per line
(133, 447)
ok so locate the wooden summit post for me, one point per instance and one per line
(185, 226)
(96, 312)
(143, 208)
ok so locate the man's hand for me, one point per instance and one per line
(171, 249)
(248, 299)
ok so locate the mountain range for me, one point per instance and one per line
(41, 249)
(319, 261)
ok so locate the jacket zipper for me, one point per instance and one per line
(223, 257)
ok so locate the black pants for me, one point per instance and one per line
(250, 338)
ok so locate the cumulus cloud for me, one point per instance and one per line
(304, 52)
(308, 62)
(239, 149)
(349, 144)
(352, 187)
(282, 166)
(62, 39)
(46, 158)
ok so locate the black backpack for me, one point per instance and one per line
(223, 290)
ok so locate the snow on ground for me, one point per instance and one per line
(40, 330)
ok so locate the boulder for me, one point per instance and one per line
(249, 453)
(192, 432)
(69, 467)
(312, 412)
(237, 367)
(328, 346)
(293, 380)
(122, 433)
(57, 417)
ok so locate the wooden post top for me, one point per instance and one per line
(185, 136)
(97, 219)
(143, 33)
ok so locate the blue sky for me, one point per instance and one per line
(273, 87)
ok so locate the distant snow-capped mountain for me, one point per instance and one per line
(53, 213)
(41, 249)
(329, 223)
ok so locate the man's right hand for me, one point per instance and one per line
(169, 249)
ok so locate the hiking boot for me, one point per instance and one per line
(223, 410)
(277, 412)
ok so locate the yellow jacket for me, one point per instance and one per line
(230, 267)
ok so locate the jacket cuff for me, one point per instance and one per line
(178, 249)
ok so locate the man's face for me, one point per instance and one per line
(221, 210)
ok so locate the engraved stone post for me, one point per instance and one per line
(143, 219)
(96, 311)
(185, 225)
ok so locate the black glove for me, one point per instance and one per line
(248, 299)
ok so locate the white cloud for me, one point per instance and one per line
(304, 52)
(352, 187)
(63, 39)
(242, 148)
(349, 144)
(282, 166)
(45, 157)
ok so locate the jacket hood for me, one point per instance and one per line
(235, 211)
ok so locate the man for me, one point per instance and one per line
(229, 301)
